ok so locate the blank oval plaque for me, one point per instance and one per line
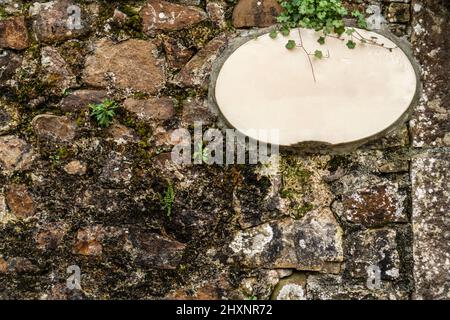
(358, 93)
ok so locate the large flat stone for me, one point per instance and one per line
(151, 109)
(54, 128)
(163, 15)
(373, 248)
(56, 72)
(431, 225)
(51, 21)
(308, 244)
(335, 287)
(81, 99)
(373, 206)
(430, 124)
(128, 65)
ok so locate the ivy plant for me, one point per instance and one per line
(325, 17)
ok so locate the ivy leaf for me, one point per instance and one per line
(273, 34)
(290, 45)
(350, 31)
(285, 31)
(321, 40)
(362, 23)
(351, 44)
(339, 30)
(318, 54)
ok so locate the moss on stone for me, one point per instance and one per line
(295, 185)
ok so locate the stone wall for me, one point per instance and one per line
(319, 227)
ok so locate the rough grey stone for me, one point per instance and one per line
(431, 225)
(9, 118)
(334, 287)
(9, 62)
(430, 124)
(57, 73)
(308, 244)
(368, 248)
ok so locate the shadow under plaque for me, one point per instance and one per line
(338, 103)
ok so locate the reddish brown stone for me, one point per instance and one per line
(196, 110)
(128, 65)
(196, 71)
(51, 127)
(14, 34)
(3, 266)
(373, 206)
(177, 54)
(16, 265)
(121, 134)
(162, 15)
(162, 137)
(151, 108)
(88, 242)
(256, 13)
(20, 202)
(81, 99)
(216, 11)
(15, 154)
(50, 21)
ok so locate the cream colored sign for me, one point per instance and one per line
(357, 93)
